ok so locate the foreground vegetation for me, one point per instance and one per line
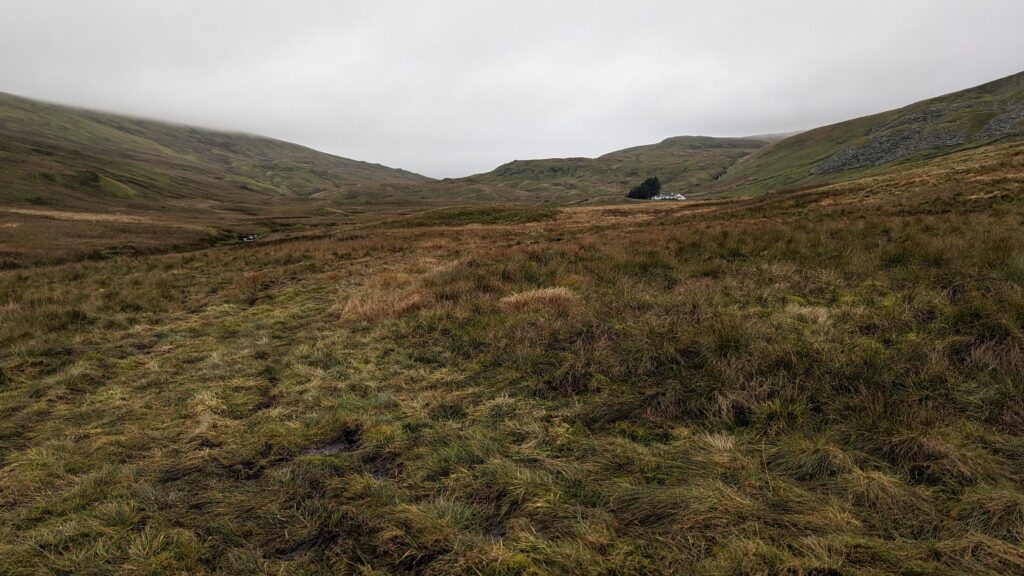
(827, 381)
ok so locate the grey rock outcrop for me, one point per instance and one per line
(939, 126)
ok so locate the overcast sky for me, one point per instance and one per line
(453, 87)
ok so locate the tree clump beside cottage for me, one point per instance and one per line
(647, 189)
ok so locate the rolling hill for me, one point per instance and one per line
(682, 163)
(55, 156)
(961, 120)
(701, 166)
(58, 157)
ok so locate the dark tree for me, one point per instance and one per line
(647, 189)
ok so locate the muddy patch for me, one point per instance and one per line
(347, 440)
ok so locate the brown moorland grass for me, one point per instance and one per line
(823, 381)
(554, 299)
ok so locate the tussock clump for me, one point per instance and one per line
(9, 308)
(749, 556)
(778, 416)
(1004, 405)
(996, 511)
(543, 299)
(1006, 357)
(737, 407)
(385, 297)
(810, 314)
(252, 285)
(705, 506)
(77, 378)
(254, 281)
(573, 376)
(878, 491)
(504, 488)
(57, 318)
(378, 306)
(807, 459)
(934, 457)
(1014, 269)
(965, 554)
(463, 280)
(718, 441)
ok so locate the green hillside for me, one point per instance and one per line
(957, 121)
(57, 157)
(705, 166)
(683, 164)
(63, 157)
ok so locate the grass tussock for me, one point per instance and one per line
(542, 299)
(386, 297)
(377, 306)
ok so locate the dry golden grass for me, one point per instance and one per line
(387, 296)
(542, 299)
(9, 307)
(78, 216)
(375, 306)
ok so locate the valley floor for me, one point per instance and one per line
(827, 381)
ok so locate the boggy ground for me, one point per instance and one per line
(827, 381)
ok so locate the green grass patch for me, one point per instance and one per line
(116, 189)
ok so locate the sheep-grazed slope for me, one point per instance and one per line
(965, 119)
(683, 164)
(65, 157)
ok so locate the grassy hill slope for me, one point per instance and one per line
(704, 166)
(965, 119)
(682, 164)
(55, 156)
